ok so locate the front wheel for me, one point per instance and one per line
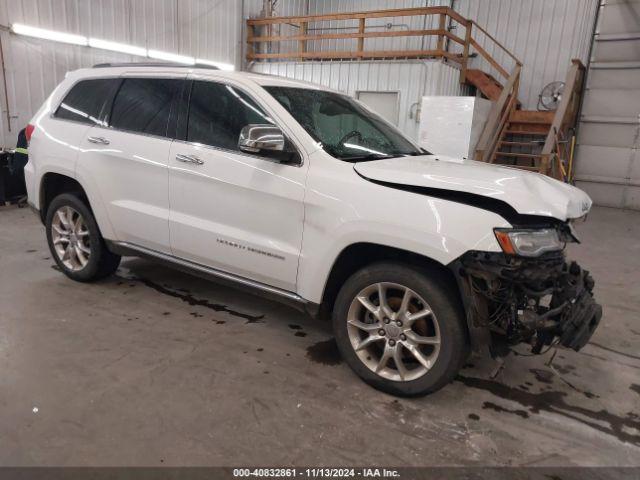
(400, 328)
(75, 240)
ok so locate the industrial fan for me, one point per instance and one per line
(550, 96)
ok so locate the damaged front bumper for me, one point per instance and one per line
(541, 301)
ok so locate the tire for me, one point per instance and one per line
(84, 256)
(396, 333)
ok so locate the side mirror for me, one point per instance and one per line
(255, 138)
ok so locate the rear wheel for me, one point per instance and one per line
(75, 240)
(400, 328)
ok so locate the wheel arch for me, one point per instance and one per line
(358, 255)
(53, 184)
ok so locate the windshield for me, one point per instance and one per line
(343, 127)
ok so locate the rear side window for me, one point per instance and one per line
(86, 100)
(144, 105)
(217, 114)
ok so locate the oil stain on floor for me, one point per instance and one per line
(187, 297)
(325, 352)
(626, 429)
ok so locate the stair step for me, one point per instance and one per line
(533, 143)
(532, 116)
(529, 127)
(518, 155)
(484, 82)
(525, 132)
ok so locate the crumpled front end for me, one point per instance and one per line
(543, 301)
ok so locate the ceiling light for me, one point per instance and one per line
(20, 29)
(171, 57)
(73, 39)
(117, 47)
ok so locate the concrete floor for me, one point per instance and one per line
(154, 367)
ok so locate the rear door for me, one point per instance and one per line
(234, 211)
(54, 145)
(127, 159)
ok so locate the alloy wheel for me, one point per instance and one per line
(71, 239)
(393, 331)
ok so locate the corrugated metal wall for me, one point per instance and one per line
(412, 79)
(202, 28)
(544, 35)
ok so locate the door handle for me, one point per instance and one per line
(98, 140)
(189, 159)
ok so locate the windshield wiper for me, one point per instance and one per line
(365, 158)
(416, 154)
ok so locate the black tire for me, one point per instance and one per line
(443, 300)
(101, 262)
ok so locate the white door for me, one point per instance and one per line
(384, 104)
(128, 161)
(239, 213)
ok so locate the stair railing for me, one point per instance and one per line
(262, 45)
(498, 118)
(564, 118)
(482, 50)
(300, 37)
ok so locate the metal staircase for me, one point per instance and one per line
(530, 139)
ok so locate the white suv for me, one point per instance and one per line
(304, 194)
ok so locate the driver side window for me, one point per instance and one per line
(218, 112)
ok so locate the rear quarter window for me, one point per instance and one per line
(86, 100)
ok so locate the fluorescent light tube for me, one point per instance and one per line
(220, 65)
(117, 47)
(171, 57)
(20, 29)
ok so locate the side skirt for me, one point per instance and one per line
(292, 299)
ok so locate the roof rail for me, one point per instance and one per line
(153, 64)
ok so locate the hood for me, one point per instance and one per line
(528, 193)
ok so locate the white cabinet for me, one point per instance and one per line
(452, 125)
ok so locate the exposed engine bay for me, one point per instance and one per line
(542, 301)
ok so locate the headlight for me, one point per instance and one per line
(528, 243)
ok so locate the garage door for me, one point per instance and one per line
(608, 163)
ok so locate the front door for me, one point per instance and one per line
(236, 212)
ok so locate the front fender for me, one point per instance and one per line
(342, 209)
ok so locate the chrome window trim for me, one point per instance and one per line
(240, 152)
(131, 132)
(76, 122)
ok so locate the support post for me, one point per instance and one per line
(251, 46)
(465, 52)
(442, 26)
(361, 29)
(302, 44)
